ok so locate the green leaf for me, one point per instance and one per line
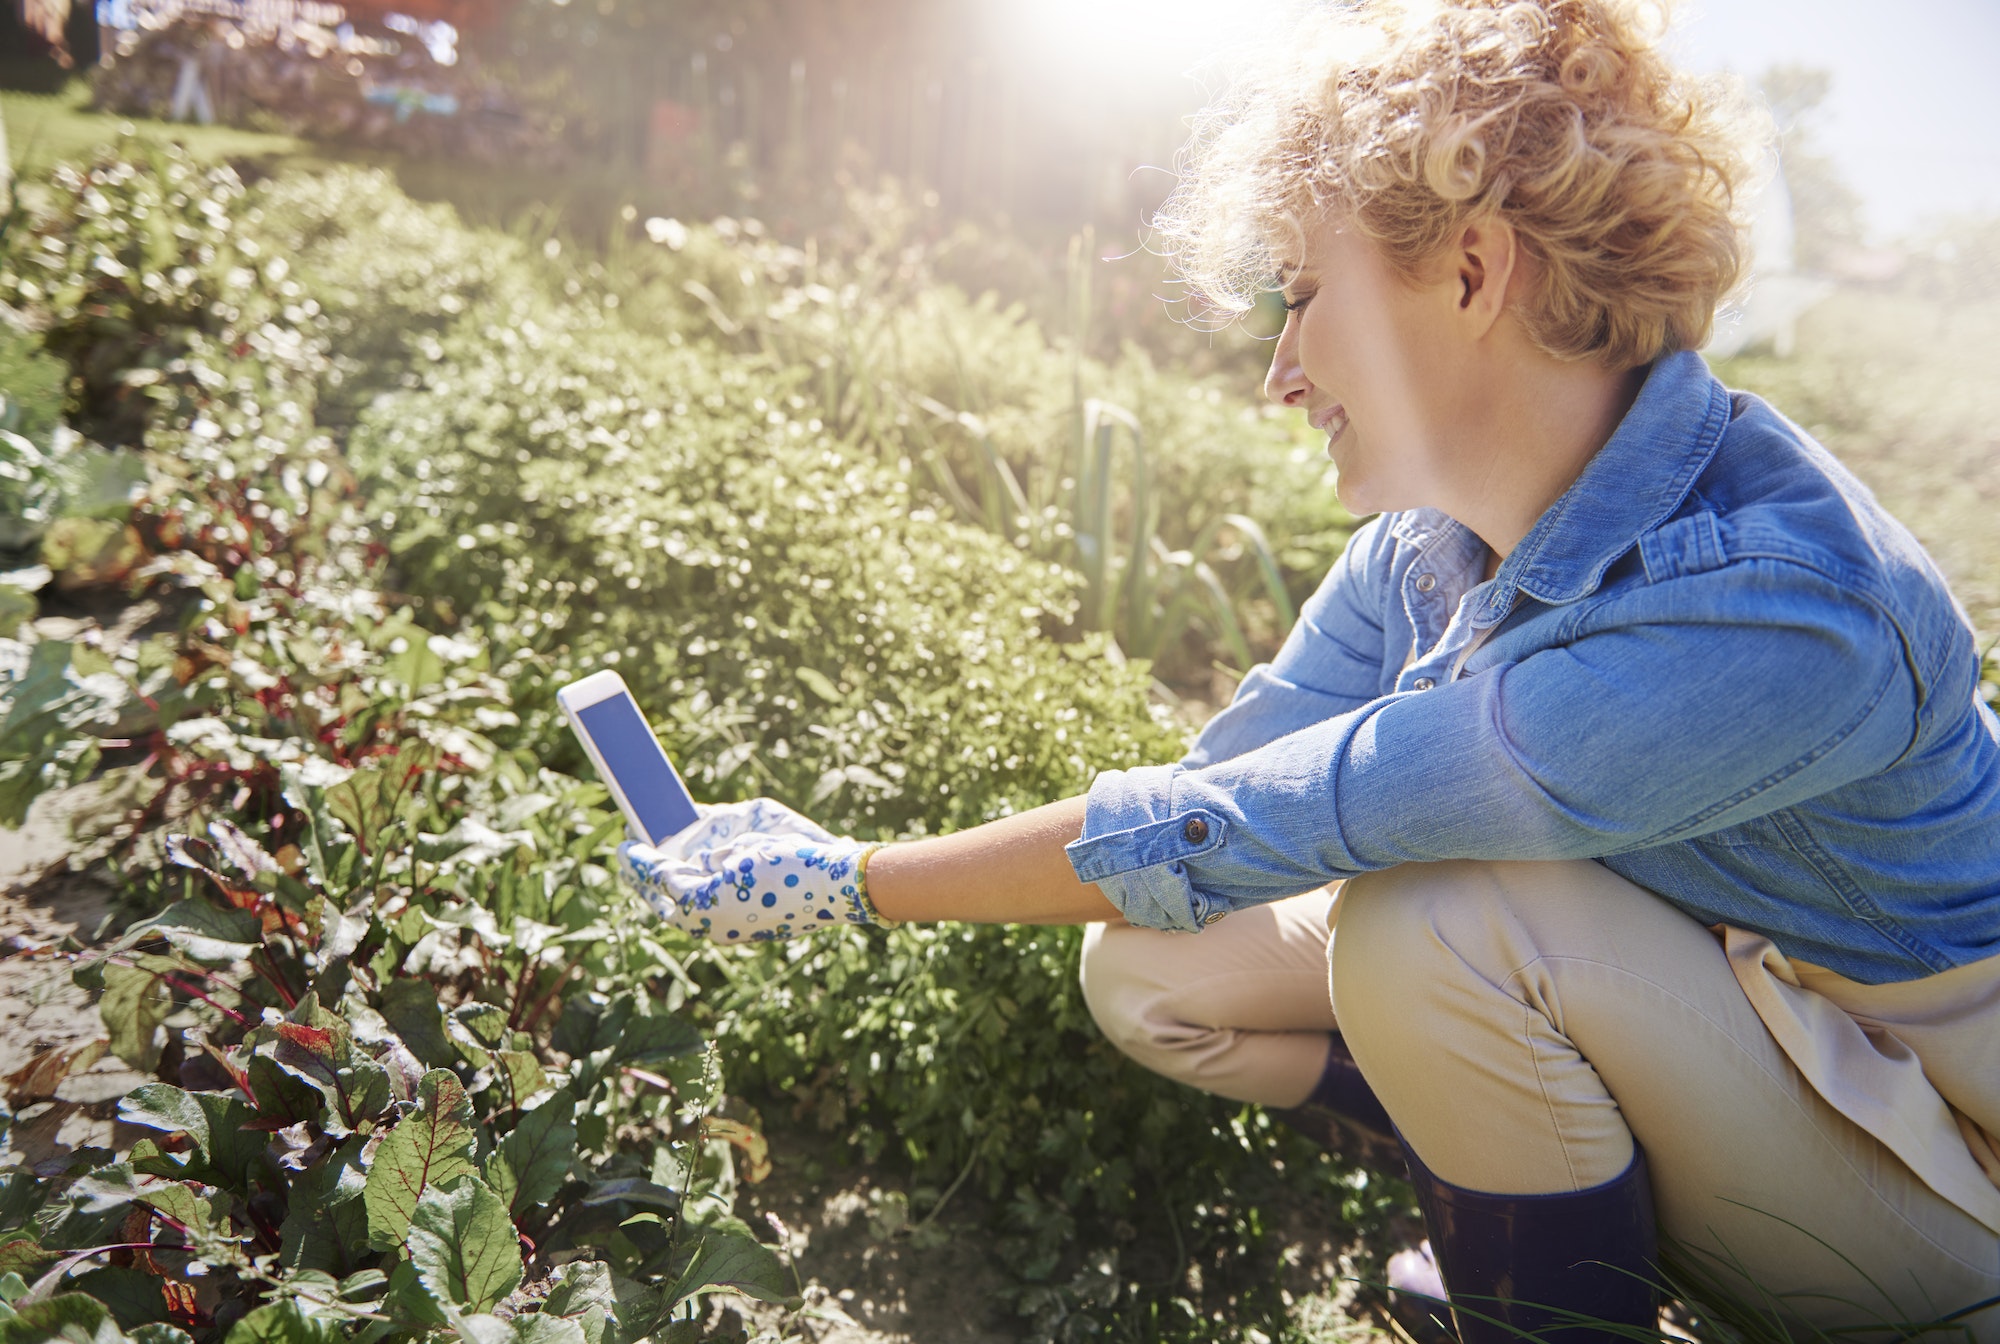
(417, 667)
(321, 1052)
(656, 1039)
(74, 1317)
(234, 1152)
(819, 684)
(531, 1161)
(522, 1071)
(203, 931)
(166, 1108)
(428, 1147)
(732, 1262)
(133, 1295)
(411, 1007)
(17, 605)
(134, 1006)
(20, 1254)
(98, 483)
(159, 1332)
(178, 1201)
(283, 1322)
(111, 1187)
(542, 1328)
(48, 714)
(369, 800)
(536, 1329)
(408, 1300)
(362, 1283)
(326, 1220)
(340, 931)
(486, 1023)
(280, 1096)
(363, 803)
(583, 1292)
(634, 1190)
(464, 1245)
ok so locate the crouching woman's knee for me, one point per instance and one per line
(1117, 986)
(1408, 947)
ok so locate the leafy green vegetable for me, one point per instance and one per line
(431, 1146)
(534, 1158)
(463, 1245)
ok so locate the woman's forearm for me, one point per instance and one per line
(1010, 871)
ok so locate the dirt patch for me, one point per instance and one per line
(877, 1270)
(867, 1280)
(48, 915)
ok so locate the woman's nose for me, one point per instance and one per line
(1286, 383)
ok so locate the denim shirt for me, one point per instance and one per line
(1714, 664)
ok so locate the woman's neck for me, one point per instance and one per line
(1540, 421)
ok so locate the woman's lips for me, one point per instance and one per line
(1332, 420)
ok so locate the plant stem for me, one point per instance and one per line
(227, 1012)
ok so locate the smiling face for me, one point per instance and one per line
(1379, 363)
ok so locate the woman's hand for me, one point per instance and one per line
(751, 872)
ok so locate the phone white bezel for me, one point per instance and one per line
(595, 689)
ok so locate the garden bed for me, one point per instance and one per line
(319, 494)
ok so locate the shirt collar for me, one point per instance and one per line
(1634, 483)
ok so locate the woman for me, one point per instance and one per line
(1644, 749)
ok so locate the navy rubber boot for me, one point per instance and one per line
(1533, 1264)
(1343, 1114)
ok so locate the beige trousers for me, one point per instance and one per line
(1525, 1024)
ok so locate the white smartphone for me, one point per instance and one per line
(628, 757)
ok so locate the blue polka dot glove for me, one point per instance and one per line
(752, 872)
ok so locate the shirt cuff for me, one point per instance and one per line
(1135, 847)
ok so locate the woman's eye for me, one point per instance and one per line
(1293, 305)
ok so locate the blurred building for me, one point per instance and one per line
(1766, 315)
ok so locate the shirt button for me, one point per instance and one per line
(1423, 683)
(1426, 582)
(1195, 831)
(1215, 917)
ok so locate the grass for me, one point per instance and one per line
(44, 128)
(47, 128)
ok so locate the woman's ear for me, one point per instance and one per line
(1486, 256)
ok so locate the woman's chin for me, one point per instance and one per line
(1362, 492)
(1351, 488)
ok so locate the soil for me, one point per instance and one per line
(875, 1271)
(47, 915)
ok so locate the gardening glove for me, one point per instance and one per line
(752, 872)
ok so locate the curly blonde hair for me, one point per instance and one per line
(1405, 119)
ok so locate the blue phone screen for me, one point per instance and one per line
(642, 770)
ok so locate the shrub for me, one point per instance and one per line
(804, 628)
(992, 415)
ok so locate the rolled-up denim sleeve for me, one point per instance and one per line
(1331, 661)
(1665, 719)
